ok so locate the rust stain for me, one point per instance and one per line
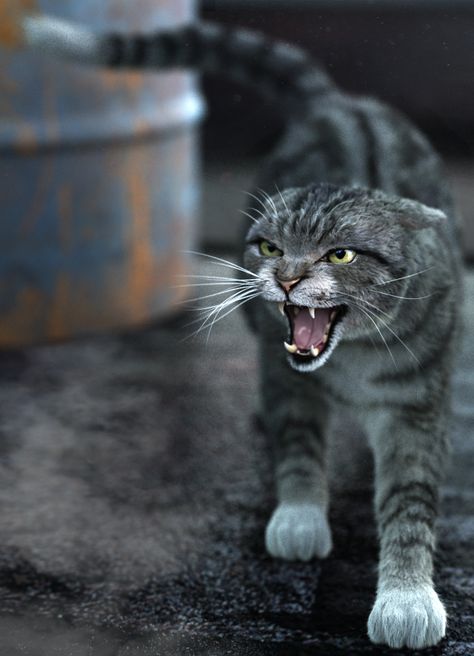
(132, 82)
(49, 112)
(8, 84)
(142, 265)
(26, 141)
(59, 311)
(11, 14)
(38, 198)
(65, 215)
(24, 323)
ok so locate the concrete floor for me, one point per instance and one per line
(135, 486)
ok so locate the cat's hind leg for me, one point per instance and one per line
(295, 421)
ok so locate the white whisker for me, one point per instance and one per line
(259, 200)
(269, 199)
(222, 262)
(226, 302)
(410, 275)
(215, 314)
(249, 216)
(210, 310)
(211, 284)
(378, 329)
(362, 300)
(396, 336)
(202, 298)
(404, 298)
(222, 316)
(283, 200)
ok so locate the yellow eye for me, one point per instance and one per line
(341, 256)
(269, 250)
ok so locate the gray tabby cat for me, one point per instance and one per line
(353, 278)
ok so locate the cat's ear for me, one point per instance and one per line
(415, 216)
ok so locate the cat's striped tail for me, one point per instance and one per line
(275, 68)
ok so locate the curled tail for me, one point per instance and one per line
(275, 68)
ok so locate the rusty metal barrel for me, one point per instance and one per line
(98, 182)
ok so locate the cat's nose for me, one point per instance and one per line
(288, 284)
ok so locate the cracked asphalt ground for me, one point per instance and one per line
(135, 486)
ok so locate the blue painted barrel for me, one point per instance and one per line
(98, 182)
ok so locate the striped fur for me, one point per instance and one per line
(349, 173)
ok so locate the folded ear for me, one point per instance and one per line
(415, 215)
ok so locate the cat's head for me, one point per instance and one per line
(324, 256)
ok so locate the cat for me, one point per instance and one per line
(351, 277)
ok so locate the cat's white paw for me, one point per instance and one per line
(298, 531)
(412, 617)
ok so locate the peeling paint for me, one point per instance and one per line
(11, 14)
(93, 170)
(21, 323)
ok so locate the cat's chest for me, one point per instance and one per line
(361, 376)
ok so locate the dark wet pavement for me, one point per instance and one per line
(135, 486)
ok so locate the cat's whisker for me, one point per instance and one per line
(215, 315)
(253, 209)
(259, 200)
(378, 329)
(269, 199)
(362, 300)
(395, 335)
(209, 284)
(226, 302)
(220, 261)
(404, 298)
(202, 298)
(283, 200)
(410, 275)
(248, 215)
(222, 316)
(208, 311)
(207, 314)
(204, 276)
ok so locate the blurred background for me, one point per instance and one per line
(135, 481)
(107, 177)
(416, 55)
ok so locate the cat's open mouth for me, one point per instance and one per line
(310, 329)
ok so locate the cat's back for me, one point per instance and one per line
(358, 141)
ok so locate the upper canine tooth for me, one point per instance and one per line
(281, 307)
(332, 315)
(311, 311)
(291, 348)
(314, 351)
(296, 310)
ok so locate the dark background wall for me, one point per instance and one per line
(417, 56)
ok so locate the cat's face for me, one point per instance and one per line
(323, 256)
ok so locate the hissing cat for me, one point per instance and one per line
(353, 280)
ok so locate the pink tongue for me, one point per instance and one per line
(308, 332)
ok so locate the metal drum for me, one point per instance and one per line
(98, 182)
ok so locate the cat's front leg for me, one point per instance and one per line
(298, 528)
(410, 454)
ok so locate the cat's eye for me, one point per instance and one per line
(341, 256)
(269, 250)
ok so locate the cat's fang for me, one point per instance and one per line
(281, 307)
(314, 351)
(291, 348)
(312, 312)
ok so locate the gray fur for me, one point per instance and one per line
(349, 173)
